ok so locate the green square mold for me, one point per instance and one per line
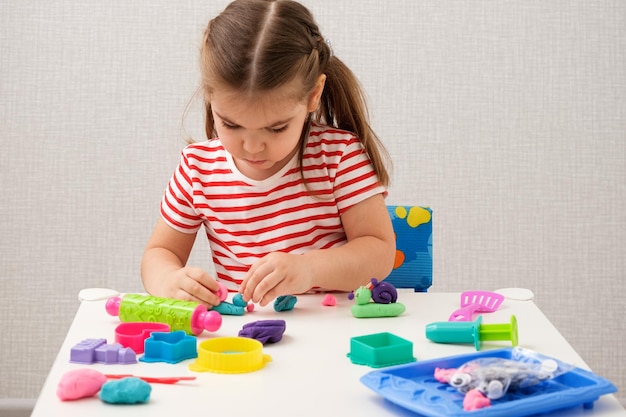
(380, 349)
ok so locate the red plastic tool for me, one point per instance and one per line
(156, 380)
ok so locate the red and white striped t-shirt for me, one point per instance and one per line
(246, 219)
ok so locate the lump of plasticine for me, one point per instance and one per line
(329, 300)
(285, 303)
(475, 400)
(229, 309)
(80, 383)
(239, 301)
(265, 331)
(126, 391)
(383, 292)
(370, 310)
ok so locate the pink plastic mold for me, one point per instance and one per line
(133, 334)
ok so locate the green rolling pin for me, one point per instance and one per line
(189, 316)
(471, 332)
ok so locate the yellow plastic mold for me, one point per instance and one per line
(230, 355)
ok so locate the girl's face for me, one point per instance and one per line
(262, 134)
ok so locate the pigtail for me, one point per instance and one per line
(344, 105)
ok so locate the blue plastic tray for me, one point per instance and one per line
(414, 387)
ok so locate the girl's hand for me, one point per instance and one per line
(164, 273)
(274, 275)
(194, 284)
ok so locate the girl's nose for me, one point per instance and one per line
(253, 144)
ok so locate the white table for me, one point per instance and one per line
(309, 374)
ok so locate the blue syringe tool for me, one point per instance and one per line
(471, 332)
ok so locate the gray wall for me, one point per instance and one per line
(507, 118)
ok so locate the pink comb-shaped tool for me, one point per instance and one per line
(476, 302)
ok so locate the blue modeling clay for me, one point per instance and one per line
(228, 309)
(236, 308)
(126, 391)
(285, 303)
(238, 300)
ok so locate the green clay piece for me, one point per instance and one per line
(371, 310)
(362, 295)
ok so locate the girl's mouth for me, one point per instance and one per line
(255, 162)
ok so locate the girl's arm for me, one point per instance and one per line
(369, 253)
(164, 272)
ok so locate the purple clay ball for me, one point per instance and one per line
(384, 292)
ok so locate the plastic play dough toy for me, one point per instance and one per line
(170, 347)
(191, 317)
(91, 351)
(520, 294)
(380, 349)
(472, 332)
(96, 294)
(230, 355)
(134, 334)
(476, 302)
(415, 386)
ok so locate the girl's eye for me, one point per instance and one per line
(228, 125)
(279, 129)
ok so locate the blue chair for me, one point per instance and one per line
(413, 267)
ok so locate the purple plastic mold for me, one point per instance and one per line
(98, 351)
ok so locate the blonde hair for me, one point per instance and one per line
(259, 45)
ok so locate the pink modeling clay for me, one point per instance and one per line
(475, 400)
(222, 293)
(329, 300)
(443, 375)
(80, 383)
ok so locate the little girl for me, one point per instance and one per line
(290, 185)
